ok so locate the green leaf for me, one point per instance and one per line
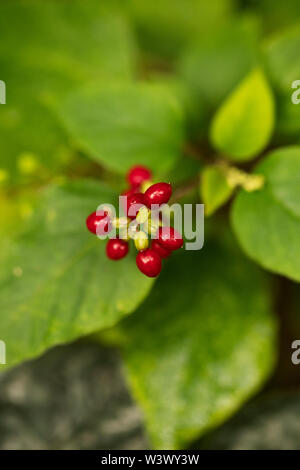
(56, 282)
(66, 44)
(122, 124)
(232, 49)
(214, 189)
(267, 222)
(201, 344)
(243, 125)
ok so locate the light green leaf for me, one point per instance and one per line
(214, 189)
(243, 126)
(122, 124)
(56, 282)
(201, 344)
(267, 222)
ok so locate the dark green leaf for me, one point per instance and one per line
(201, 344)
(122, 124)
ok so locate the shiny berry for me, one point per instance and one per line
(169, 238)
(99, 224)
(134, 203)
(160, 250)
(116, 248)
(126, 193)
(158, 193)
(138, 174)
(149, 262)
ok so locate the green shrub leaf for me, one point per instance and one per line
(243, 126)
(56, 282)
(124, 124)
(214, 189)
(201, 344)
(267, 222)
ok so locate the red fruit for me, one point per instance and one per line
(116, 248)
(126, 193)
(137, 200)
(149, 262)
(169, 238)
(158, 193)
(138, 174)
(160, 250)
(99, 224)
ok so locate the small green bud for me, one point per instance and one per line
(141, 241)
(145, 185)
(143, 215)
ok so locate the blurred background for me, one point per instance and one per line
(75, 396)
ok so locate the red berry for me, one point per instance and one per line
(116, 248)
(158, 193)
(160, 250)
(138, 174)
(126, 193)
(99, 224)
(137, 200)
(169, 238)
(149, 262)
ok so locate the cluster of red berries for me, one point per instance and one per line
(140, 196)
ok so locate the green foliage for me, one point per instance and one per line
(283, 65)
(231, 49)
(96, 87)
(164, 28)
(267, 222)
(56, 282)
(215, 333)
(243, 126)
(214, 188)
(121, 125)
(63, 48)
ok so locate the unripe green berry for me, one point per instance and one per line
(142, 215)
(141, 241)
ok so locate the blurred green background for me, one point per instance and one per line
(93, 87)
